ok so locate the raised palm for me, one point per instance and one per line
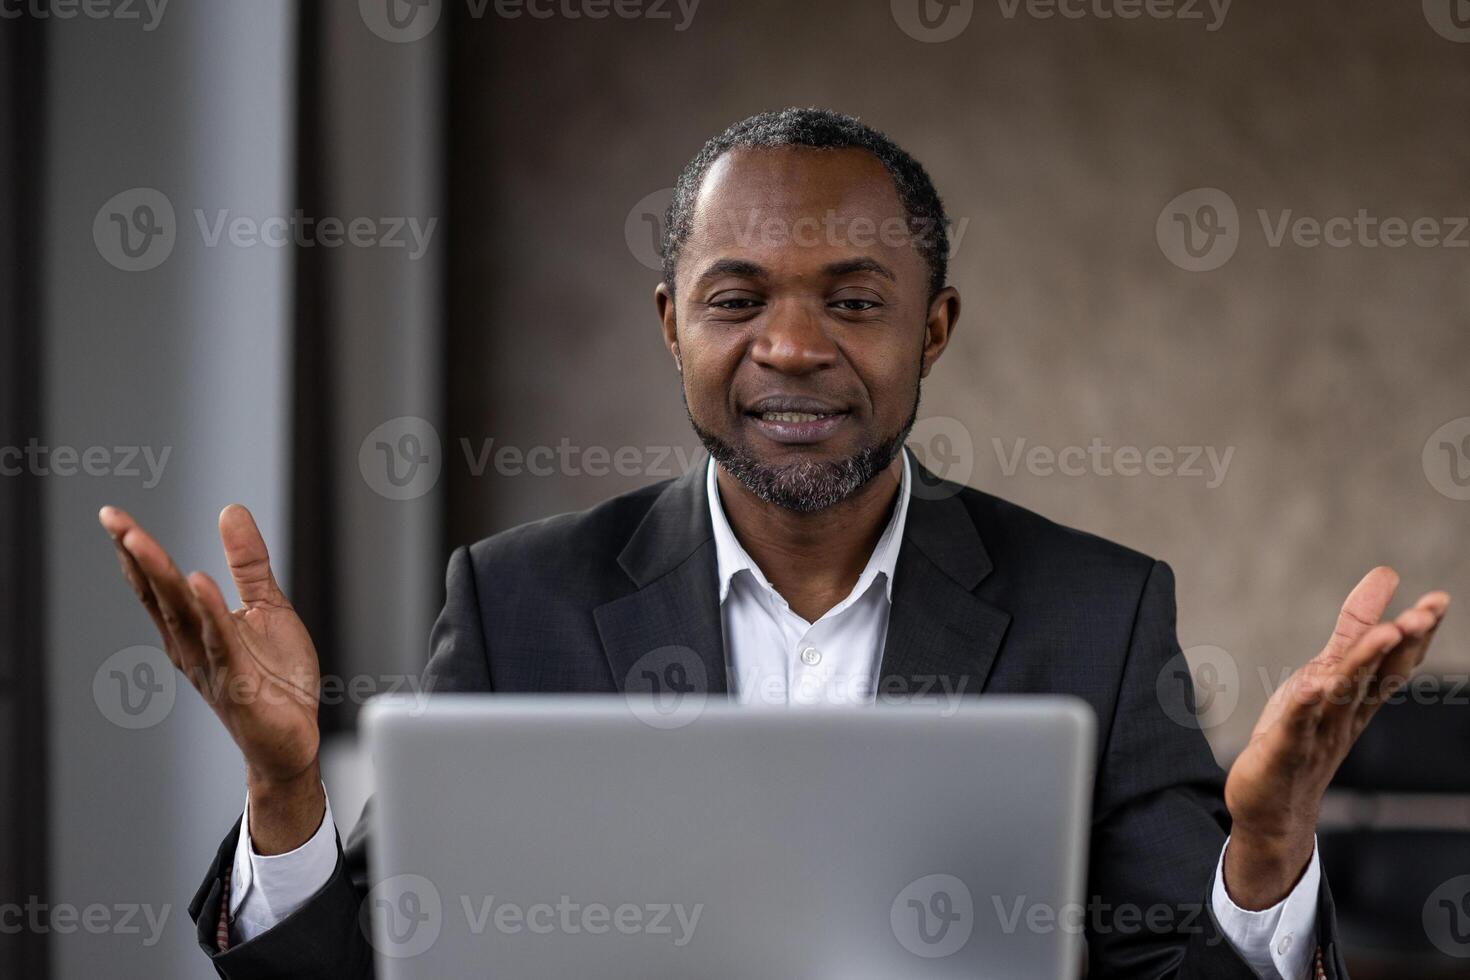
(1310, 722)
(256, 666)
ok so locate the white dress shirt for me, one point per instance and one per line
(777, 657)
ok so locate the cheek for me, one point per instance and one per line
(889, 374)
(709, 369)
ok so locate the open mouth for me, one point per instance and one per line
(797, 424)
(794, 416)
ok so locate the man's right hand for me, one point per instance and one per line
(255, 666)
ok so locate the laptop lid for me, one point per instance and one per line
(521, 837)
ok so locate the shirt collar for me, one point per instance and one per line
(733, 559)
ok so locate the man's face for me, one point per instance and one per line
(803, 321)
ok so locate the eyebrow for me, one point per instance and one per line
(833, 270)
(733, 267)
(849, 266)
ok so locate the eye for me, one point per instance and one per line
(853, 304)
(734, 304)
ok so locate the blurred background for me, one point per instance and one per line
(383, 271)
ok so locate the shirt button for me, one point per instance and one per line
(811, 656)
(1284, 945)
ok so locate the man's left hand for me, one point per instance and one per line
(1275, 788)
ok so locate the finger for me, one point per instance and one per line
(1416, 622)
(1436, 602)
(175, 601)
(116, 523)
(248, 558)
(1362, 610)
(1418, 625)
(1355, 678)
(218, 628)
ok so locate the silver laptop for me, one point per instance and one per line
(567, 837)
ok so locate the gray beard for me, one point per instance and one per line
(806, 487)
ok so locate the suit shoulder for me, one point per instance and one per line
(1019, 538)
(563, 540)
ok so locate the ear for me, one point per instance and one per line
(663, 298)
(944, 315)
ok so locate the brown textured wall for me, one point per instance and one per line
(1323, 370)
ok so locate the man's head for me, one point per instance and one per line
(804, 300)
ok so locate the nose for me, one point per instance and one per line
(794, 341)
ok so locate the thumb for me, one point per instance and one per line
(1363, 609)
(246, 554)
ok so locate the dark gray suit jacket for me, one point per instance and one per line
(986, 596)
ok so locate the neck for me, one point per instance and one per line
(812, 560)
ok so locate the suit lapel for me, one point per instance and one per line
(669, 632)
(941, 636)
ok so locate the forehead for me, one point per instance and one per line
(797, 205)
(799, 179)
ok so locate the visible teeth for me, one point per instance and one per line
(790, 417)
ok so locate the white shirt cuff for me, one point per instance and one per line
(1278, 942)
(265, 889)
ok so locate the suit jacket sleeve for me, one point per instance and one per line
(325, 938)
(1159, 823)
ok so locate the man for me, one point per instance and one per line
(803, 302)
